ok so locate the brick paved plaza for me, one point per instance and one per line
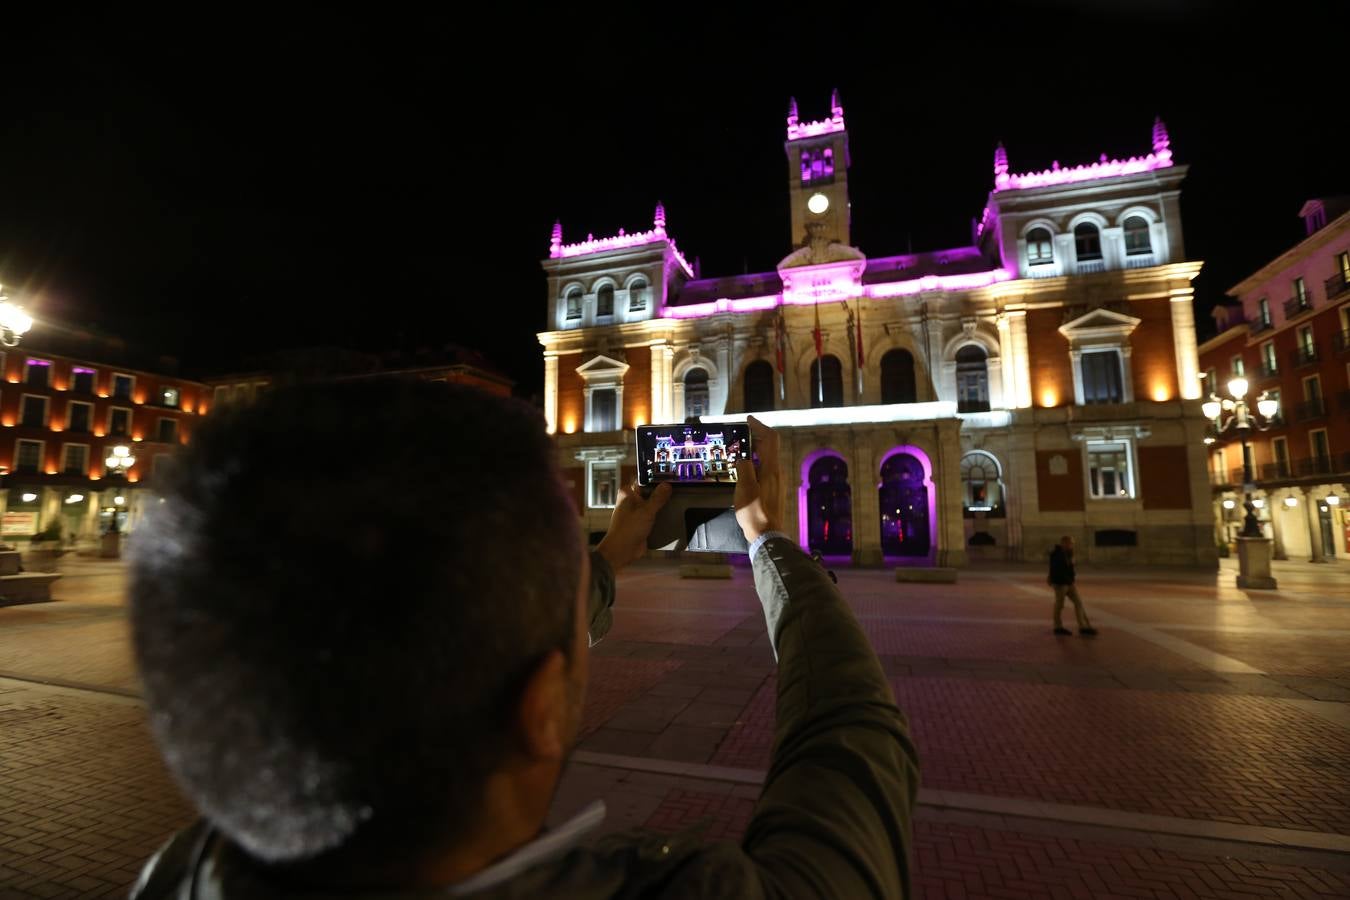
(1199, 747)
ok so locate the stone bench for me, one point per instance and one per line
(26, 587)
(926, 574)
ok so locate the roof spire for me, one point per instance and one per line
(555, 245)
(1000, 160)
(836, 108)
(660, 219)
(792, 111)
(1162, 143)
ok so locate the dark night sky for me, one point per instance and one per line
(216, 189)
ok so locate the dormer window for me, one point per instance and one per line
(1087, 242)
(1040, 247)
(637, 295)
(1136, 236)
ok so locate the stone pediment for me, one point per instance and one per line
(1100, 324)
(602, 370)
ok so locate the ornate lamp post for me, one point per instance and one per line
(1232, 414)
(118, 461)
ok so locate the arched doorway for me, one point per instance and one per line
(696, 392)
(905, 510)
(972, 379)
(827, 382)
(897, 377)
(828, 505)
(758, 385)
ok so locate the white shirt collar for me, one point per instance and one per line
(549, 845)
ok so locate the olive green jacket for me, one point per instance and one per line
(833, 819)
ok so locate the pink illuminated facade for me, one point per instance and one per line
(939, 406)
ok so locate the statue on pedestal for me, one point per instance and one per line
(1251, 527)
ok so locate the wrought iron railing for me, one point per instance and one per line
(1297, 306)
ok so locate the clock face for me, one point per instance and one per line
(818, 203)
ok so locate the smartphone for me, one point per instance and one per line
(691, 454)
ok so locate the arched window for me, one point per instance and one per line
(758, 387)
(1040, 247)
(1087, 242)
(829, 507)
(981, 489)
(972, 379)
(604, 301)
(637, 294)
(574, 303)
(897, 377)
(827, 390)
(903, 498)
(1136, 236)
(696, 393)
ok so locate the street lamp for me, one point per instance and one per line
(1240, 417)
(14, 322)
(119, 461)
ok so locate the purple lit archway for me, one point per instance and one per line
(926, 465)
(803, 490)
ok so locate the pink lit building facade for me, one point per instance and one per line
(975, 401)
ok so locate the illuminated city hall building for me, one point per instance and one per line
(971, 402)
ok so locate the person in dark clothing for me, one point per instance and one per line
(378, 699)
(1061, 578)
(820, 561)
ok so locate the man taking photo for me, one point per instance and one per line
(366, 669)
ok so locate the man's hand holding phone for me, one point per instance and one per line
(626, 539)
(759, 496)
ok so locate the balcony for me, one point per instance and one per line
(1317, 465)
(972, 406)
(1297, 306)
(1139, 260)
(1337, 284)
(1269, 369)
(1273, 471)
(1090, 267)
(1259, 326)
(1304, 356)
(1343, 401)
(1286, 470)
(1310, 409)
(1342, 341)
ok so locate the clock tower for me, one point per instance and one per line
(817, 155)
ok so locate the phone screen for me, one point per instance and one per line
(691, 454)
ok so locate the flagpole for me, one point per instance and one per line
(858, 303)
(820, 372)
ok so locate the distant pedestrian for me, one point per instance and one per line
(1061, 578)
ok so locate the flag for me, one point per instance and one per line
(820, 369)
(780, 335)
(817, 337)
(860, 340)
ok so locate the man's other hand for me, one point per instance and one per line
(630, 524)
(759, 496)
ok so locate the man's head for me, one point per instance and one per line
(1067, 543)
(348, 616)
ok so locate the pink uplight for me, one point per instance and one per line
(1109, 168)
(722, 305)
(962, 282)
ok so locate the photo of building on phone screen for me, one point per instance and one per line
(692, 454)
